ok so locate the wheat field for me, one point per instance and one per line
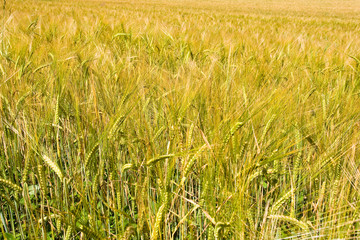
(166, 119)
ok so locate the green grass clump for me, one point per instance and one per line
(179, 119)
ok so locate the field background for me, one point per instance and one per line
(179, 119)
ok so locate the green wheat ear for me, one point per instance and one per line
(191, 163)
(88, 231)
(267, 127)
(10, 185)
(157, 159)
(53, 166)
(233, 130)
(58, 225)
(127, 166)
(129, 232)
(8, 201)
(91, 153)
(68, 233)
(56, 115)
(210, 233)
(42, 180)
(281, 200)
(291, 220)
(218, 227)
(159, 218)
(26, 168)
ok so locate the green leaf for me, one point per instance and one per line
(9, 236)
